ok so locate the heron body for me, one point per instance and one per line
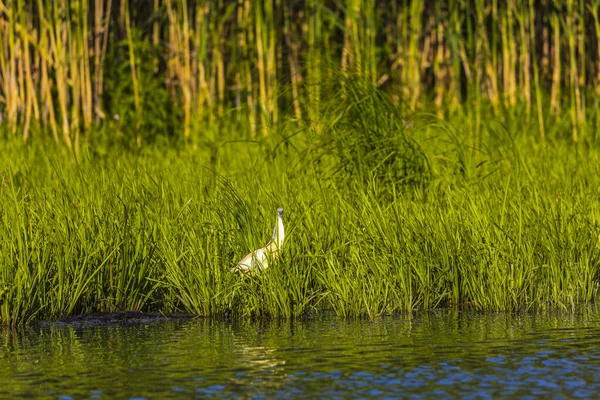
(260, 259)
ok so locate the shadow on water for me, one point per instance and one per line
(445, 353)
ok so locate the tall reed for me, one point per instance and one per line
(265, 57)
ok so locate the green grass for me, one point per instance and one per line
(379, 219)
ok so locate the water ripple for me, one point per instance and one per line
(445, 354)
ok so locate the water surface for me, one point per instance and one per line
(442, 354)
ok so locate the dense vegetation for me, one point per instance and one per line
(141, 68)
(425, 157)
(380, 219)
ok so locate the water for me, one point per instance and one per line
(445, 354)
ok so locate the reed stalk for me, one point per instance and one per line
(134, 74)
(536, 73)
(593, 10)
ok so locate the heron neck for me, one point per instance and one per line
(278, 232)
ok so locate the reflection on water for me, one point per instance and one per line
(446, 354)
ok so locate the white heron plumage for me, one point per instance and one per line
(260, 259)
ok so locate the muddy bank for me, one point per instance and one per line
(116, 318)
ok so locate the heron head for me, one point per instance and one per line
(280, 211)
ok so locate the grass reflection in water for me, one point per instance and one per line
(443, 353)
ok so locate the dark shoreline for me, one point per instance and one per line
(115, 318)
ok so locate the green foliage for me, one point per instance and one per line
(436, 217)
(367, 137)
(160, 116)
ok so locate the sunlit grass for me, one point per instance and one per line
(502, 224)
